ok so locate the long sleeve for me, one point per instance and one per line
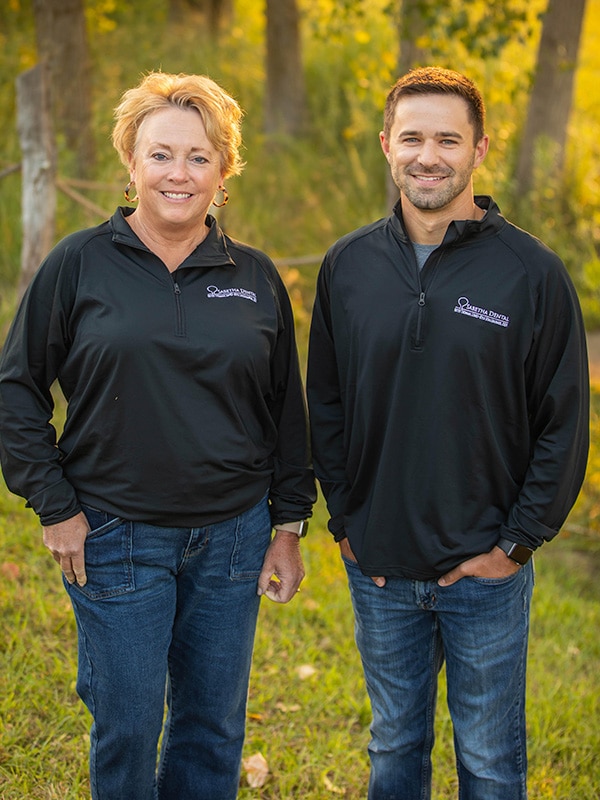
(326, 409)
(558, 400)
(31, 359)
(293, 490)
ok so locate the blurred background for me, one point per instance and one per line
(312, 77)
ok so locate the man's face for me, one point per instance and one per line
(431, 152)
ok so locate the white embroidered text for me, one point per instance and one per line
(214, 291)
(464, 307)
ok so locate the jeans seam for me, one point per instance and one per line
(194, 547)
(166, 733)
(431, 707)
(519, 708)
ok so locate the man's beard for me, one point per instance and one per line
(436, 197)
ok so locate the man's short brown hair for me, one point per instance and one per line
(436, 80)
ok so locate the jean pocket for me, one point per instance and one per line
(252, 538)
(108, 556)
(504, 581)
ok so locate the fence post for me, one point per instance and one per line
(38, 171)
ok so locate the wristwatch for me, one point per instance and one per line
(299, 528)
(518, 553)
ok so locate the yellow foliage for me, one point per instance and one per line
(362, 37)
(586, 512)
(99, 16)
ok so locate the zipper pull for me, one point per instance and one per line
(176, 288)
(422, 299)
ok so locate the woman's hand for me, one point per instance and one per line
(282, 570)
(66, 541)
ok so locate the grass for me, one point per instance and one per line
(308, 713)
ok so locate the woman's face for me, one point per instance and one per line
(176, 169)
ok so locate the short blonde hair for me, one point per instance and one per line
(220, 114)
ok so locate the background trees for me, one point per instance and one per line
(312, 76)
(216, 14)
(62, 46)
(550, 101)
(285, 105)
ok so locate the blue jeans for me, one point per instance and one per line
(174, 609)
(404, 632)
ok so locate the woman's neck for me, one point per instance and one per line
(171, 244)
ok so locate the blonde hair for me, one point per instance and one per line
(221, 115)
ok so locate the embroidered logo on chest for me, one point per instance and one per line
(463, 306)
(246, 294)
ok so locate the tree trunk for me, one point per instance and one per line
(411, 25)
(285, 103)
(38, 196)
(217, 13)
(63, 45)
(552, 92)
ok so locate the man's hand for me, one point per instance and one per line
(282, 570)
(346, 551)
(66, 541)
(495, 564)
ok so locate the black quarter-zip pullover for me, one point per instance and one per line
(185, 404)
(449, 407)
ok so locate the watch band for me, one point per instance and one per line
(298, 528)
(519, 553)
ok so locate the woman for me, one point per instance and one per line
(184, 444)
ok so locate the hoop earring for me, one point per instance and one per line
(128, 188)
(225, 200)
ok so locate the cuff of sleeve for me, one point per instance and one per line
(336, 528)
(523, 529)
(55, 504)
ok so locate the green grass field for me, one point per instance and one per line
(308, 712)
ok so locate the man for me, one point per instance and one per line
(448, 393)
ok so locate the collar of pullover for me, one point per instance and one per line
(211, 252)
(461, 228)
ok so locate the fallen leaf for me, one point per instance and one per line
(305, 671)
(310, 604)
(331, 787)
(11, 570)
(257, 770)
(287, 709)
